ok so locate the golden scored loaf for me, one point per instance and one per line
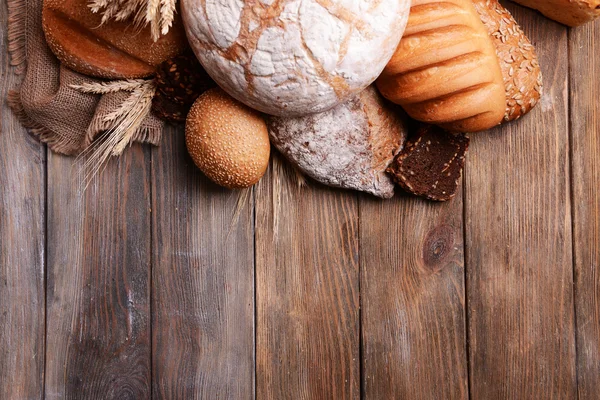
(445, 70)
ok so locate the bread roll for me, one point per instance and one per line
(568, 12)
(349, 146)
(445, 70)
(516, 54)
(228, 141)
(115, 50)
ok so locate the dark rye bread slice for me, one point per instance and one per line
(431, 163)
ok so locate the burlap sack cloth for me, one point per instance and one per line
(64, 118)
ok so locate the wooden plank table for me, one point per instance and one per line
(145, 286)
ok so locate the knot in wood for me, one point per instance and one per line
(437, 247)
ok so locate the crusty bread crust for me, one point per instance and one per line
(349, 146)
(518, 61)
(114, 50)
(568, 12)
(445, 70)
(293, 58)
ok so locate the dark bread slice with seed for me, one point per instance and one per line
(431, 163)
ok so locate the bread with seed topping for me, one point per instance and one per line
(431, 163)
(517, 57)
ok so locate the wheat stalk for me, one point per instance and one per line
(153, 17)
(129, 85)
(167, 15)
(123, 123)
(158, 14)
(243, 201)
(124, 109)
(97, 5)
(127, 9)
(110, 11)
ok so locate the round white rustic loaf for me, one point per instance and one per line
(294, 57)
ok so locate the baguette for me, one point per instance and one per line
(445, 70)
(567, 12)
(516, 54)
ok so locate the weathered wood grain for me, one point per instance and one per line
(584, 55)
(413, 299)
(22, 245)
(518, 242)
(98, 293)
(307, 325)
(519, 260)
(203, 282)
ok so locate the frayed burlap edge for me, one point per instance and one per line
(43, 134)
(17, 50)
(17, 34)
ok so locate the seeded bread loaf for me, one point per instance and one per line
(518, 61)
(445, 70)
(568, 12)
(114, 50)
(349, 146)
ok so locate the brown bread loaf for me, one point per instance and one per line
(114, 50)
(445, 70)
(516, 54)
(568, 12)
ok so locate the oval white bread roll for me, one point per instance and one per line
(293, 58)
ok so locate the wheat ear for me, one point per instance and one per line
(158, 14)
(97, 5)
(167, 15)
(123, 123)
(153, 18)
(109, 87)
